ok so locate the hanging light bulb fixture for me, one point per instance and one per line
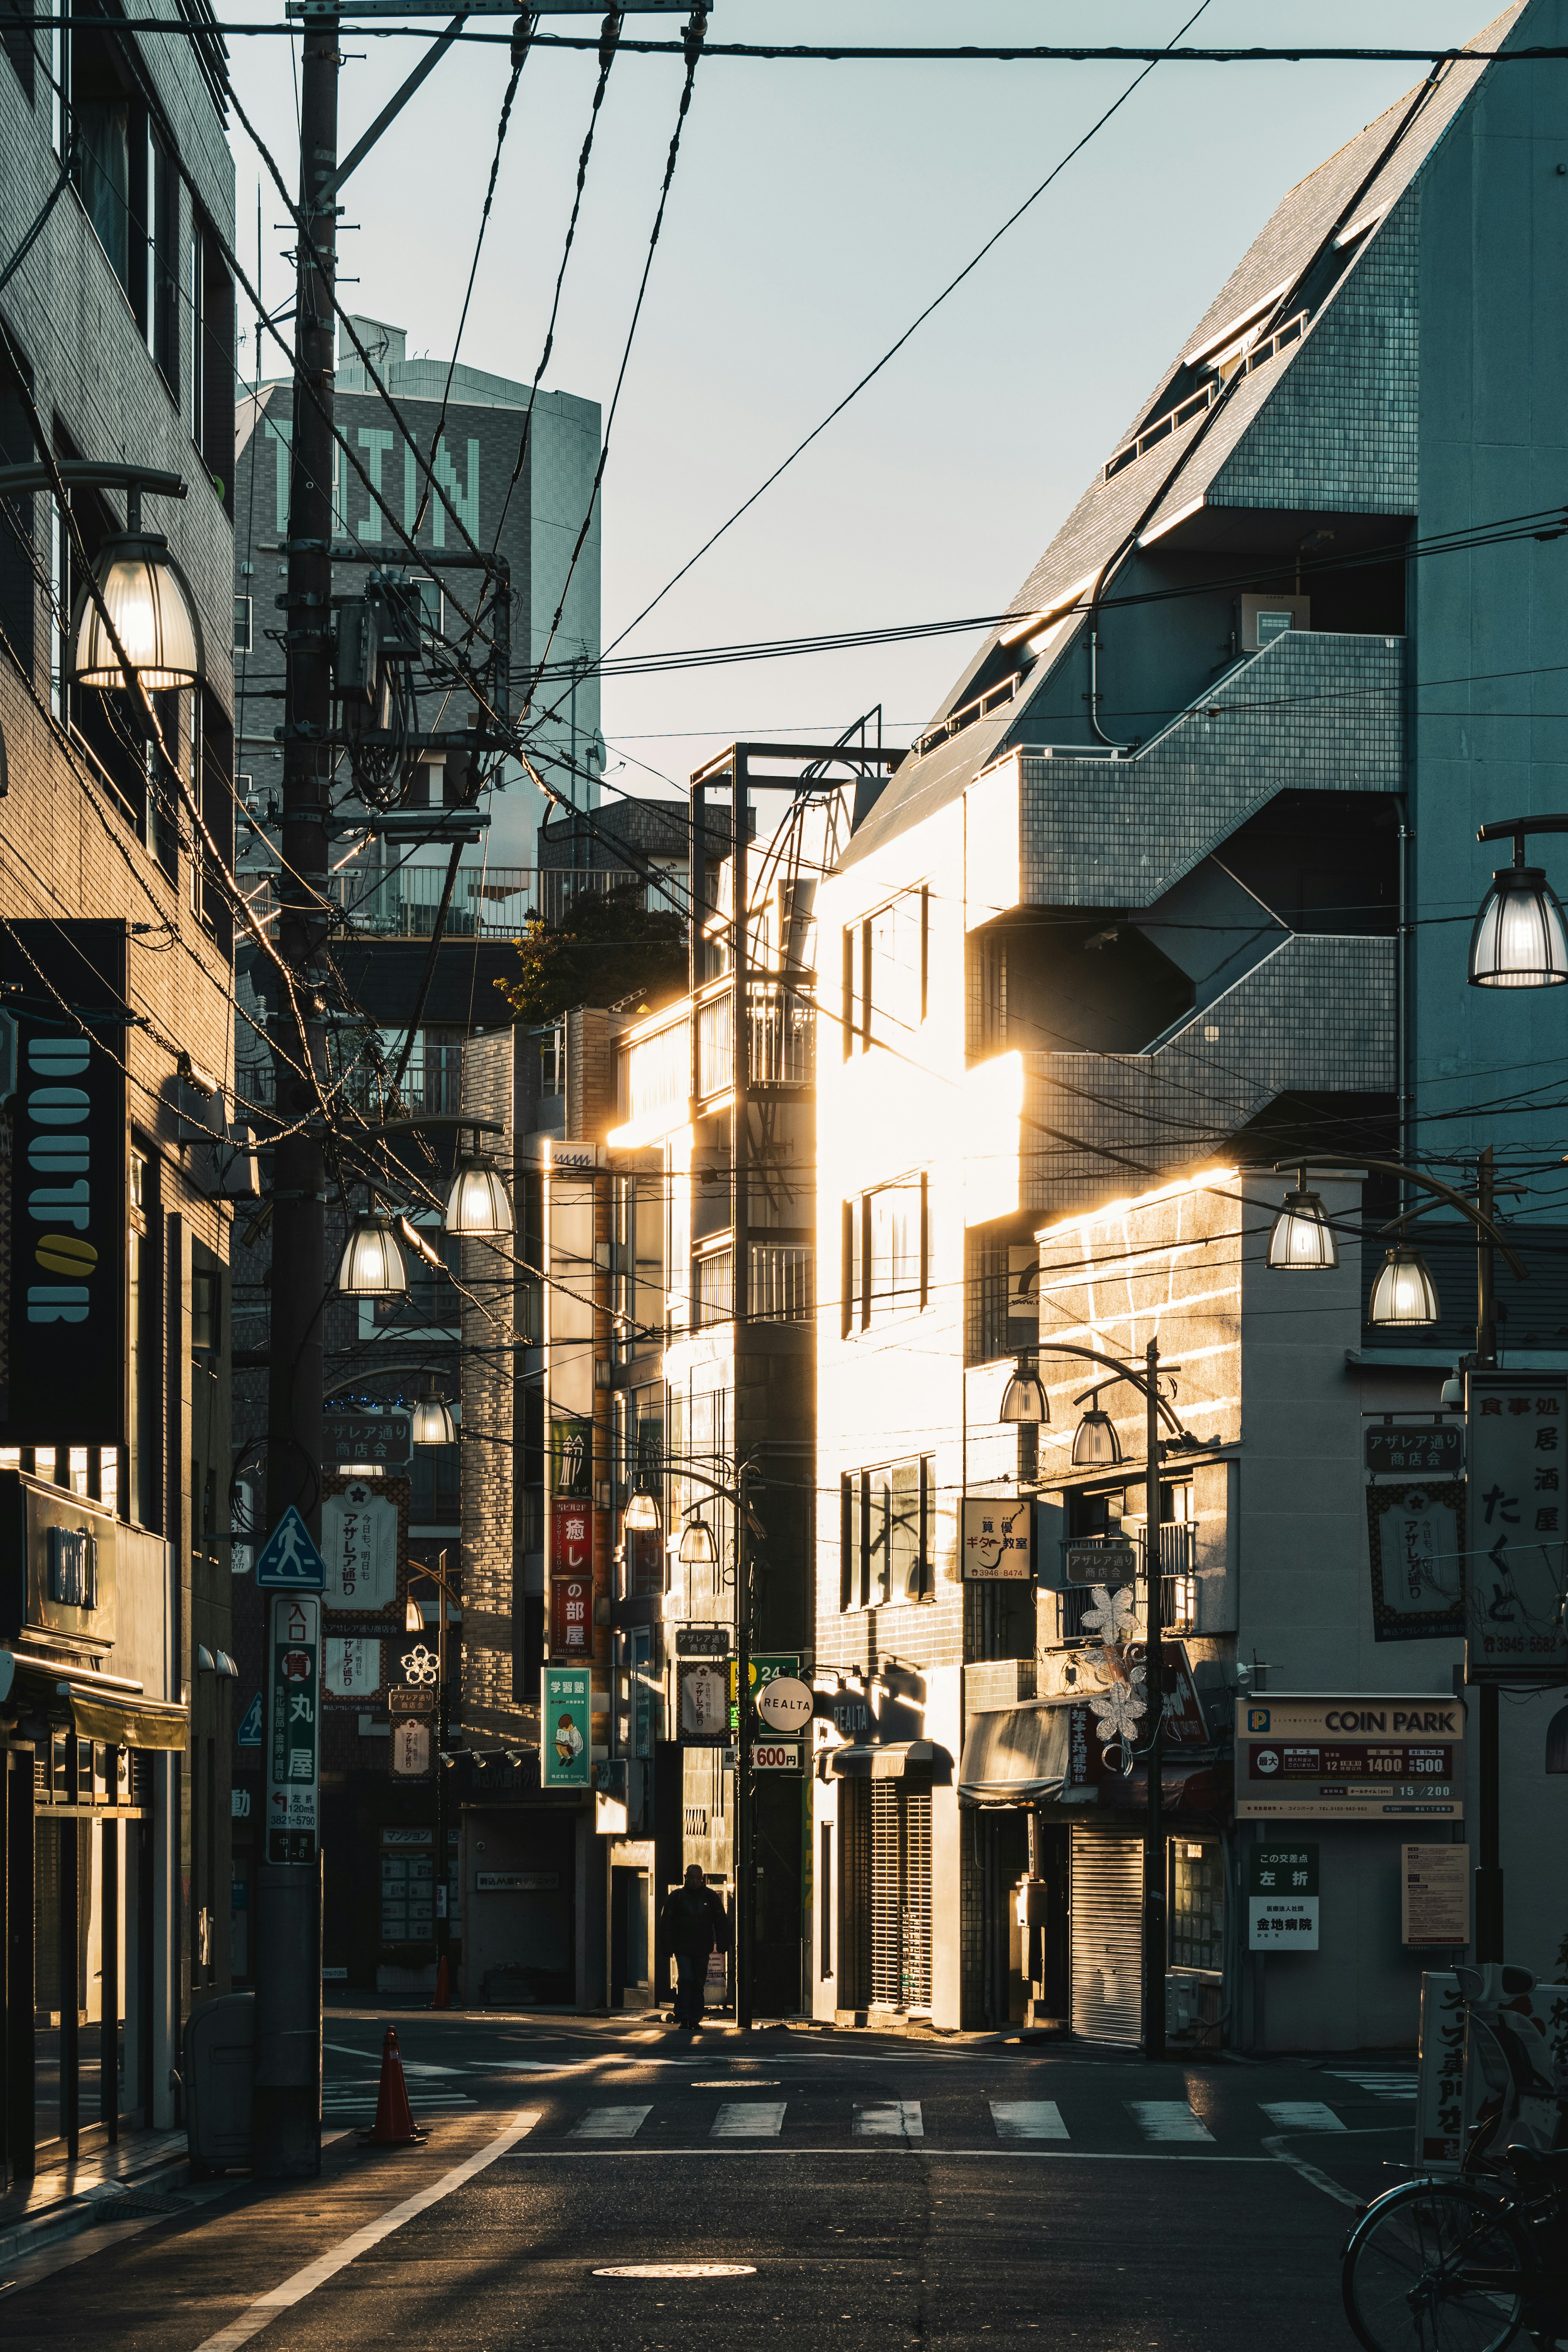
(478, 1205)
(1302, 1240)
(1023, 1399)
(697, 1548)
(1095, 1442)
(1404, 1293)
(151, 607)
(371, 1264)
(1520, 939)
(642, 1512)
(431, 1422)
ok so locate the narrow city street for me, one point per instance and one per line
(881, 2190)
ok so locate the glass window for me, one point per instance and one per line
(887, 1534)
(1197, 1903)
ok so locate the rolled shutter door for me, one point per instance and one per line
(1107, 1937)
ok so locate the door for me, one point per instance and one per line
(901, 1895)
(1107, 1937)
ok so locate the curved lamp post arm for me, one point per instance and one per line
(1467, 1209)
(1122, 1372)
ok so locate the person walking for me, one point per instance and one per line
(695, 1924)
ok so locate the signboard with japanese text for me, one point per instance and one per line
(1354, 1757)
(571, 1538)
(997, 1541)
(1415, 1537)
(412, 1751)
(1415, 1450)
(704, 1640)
(565, 1756)
(1440, 2074)
(293, 1747)
(571, 1617)
(704, 1701)
(774, 1755)
(385, 1440)
(572, 1456)
(1283, 1897)
(1095, 1561)
(1516, 1449)
(1434, 1895)
(352, 1667)
(360, 1544)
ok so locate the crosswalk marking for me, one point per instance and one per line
(1302, 2115)
(749, 2119)
(1028, 2119)
(1382, 2083)
(1166, 2119)
(891, 2119)
(610, 2122)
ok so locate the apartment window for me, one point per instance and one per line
(242, 625)
(887, 1534)
(885, 984)
(207, 1301)
(195, 297)
(886, 1253)
(715, 1287)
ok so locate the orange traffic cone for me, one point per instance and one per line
(443, 1985)
(394, 2127)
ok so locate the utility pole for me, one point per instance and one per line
(1489, 1921)
(1154, 1694)
(745, 1842)
(288, 2125)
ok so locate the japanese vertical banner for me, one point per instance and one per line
(293, 1747)
(1518, 1447)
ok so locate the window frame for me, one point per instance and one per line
(863, 1303)
(859, 1589)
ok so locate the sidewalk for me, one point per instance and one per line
(130, 2179)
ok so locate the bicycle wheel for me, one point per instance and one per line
(1438, 2266)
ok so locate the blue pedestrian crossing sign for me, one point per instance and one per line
(249, 1732)
(289, 1561)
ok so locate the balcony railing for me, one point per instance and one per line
(1205, 396)
(1178, 1589)
(957, 720)
(488, 902)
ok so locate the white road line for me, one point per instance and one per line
(610, 2122)
(1301, 2115)
(302, 2282)
(891, 2119)
(1028, 2119)
(749, 2119)
(1166, 2119)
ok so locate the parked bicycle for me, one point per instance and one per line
(1466, 2263)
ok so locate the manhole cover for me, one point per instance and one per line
(677, 2270)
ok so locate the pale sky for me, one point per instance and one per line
(816, 209)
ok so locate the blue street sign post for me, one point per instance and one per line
(289, 1561)
(249, 1732)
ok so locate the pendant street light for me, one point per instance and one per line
(372, 1264)
(1023, 1400)
(150, 612)
(1094, 1441)
(431, 1423)
(1302, 1240)
(1404, 1293)
(1520, 939)
(479, 1207)
(697, 1548)
(642, 1512)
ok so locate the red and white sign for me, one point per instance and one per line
(571, 1538)
(775, 1756)
(570, 1616)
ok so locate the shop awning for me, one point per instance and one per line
(1020, 1756)
(894, 1759)
(97, 1707)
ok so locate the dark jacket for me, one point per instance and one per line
(695, 1924)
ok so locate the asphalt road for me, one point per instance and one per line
(877, 2192)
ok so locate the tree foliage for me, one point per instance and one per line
(608, 949)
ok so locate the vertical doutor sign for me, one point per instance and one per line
(565, 1756)
(1519, 1470)
(294, 1730)
(62, 1351)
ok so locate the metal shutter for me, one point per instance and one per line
(854, 1893)
(917, 1899)
(1107, 1937)
(887, 1895)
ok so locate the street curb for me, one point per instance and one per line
(106, 2200)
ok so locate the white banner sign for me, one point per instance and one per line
(354, 1666)
(359, 1541)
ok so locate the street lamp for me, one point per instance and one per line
(697, 1548)
(1520, 939)
(1017, 1395)
(1094, 1441)
(1302, 1241)
(1404, 1293)
(372, 1264)
(149, 610)
(478, 1205)
(431, 1423)
(642, 1514)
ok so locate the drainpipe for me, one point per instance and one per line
(1094, 683)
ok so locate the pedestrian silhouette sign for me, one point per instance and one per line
(289, 1561)
(249, 1732)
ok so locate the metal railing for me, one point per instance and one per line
(957, 720)
(1178, 1589)
(488, 902)
(1196, 402)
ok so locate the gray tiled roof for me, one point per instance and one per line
(1215, 462)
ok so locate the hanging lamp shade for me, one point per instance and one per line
(1095, 1441)
(372, 1264)
(697, 1548)
(1023, 1399)
(152, 615)
(642, 1512)
(431, 1423)
(1520, 939)
(477, 1203)
(1404, 1293)
(1302, 1240)
(412, 1616)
